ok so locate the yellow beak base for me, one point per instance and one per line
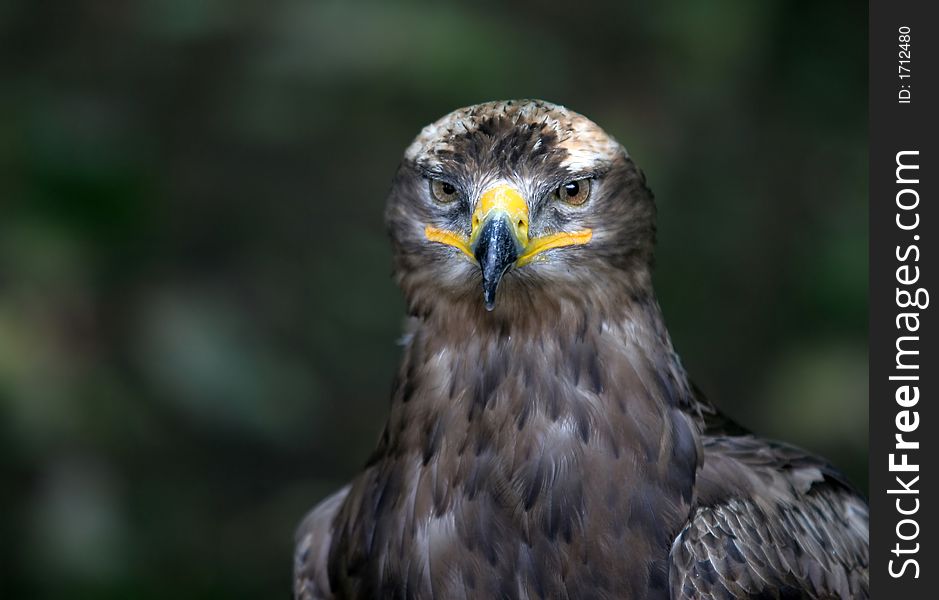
(504, 200)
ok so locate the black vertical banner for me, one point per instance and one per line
(904, 372)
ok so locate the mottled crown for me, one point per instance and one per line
(582, 139)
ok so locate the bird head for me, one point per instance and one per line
(509, 205)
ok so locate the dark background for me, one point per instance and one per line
(197, 322)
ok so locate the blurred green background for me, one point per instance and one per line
(197, 321)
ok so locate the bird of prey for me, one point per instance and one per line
(543, 439)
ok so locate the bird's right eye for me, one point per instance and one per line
(442, 191)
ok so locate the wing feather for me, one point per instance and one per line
(313, 540)
(771, 522)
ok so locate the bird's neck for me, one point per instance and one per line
(478, 381)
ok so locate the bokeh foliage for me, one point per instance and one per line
(197, 323)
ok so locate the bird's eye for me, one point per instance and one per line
(574, 192)
(442, 191)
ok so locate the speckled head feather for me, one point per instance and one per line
(553, 447)
(583, 141)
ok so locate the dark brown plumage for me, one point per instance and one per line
(553, 447)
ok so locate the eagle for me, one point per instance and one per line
(544, 440)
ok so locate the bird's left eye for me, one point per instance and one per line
(442, 191)
(574, 192)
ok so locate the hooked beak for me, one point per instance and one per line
(499, 238)
(496, 249)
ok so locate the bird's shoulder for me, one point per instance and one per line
(311, 551)
(770, 518)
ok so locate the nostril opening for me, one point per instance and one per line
(475, 221)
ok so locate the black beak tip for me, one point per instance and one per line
(489, 299)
